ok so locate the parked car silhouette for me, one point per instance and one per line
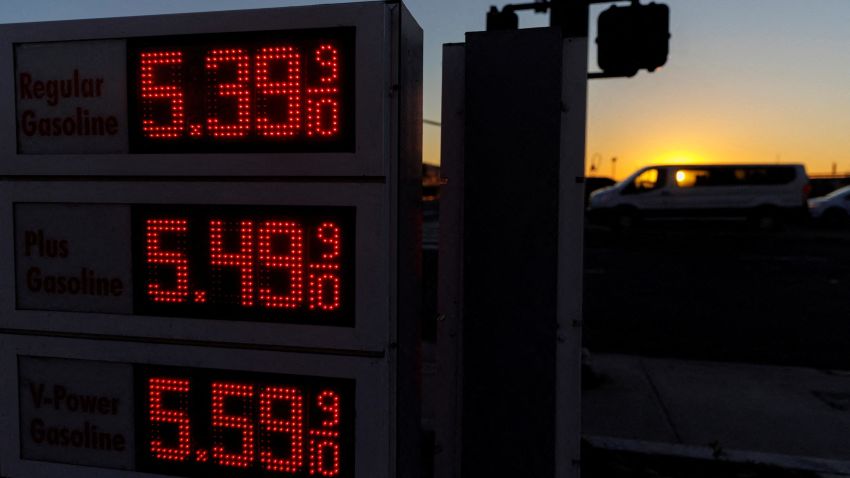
(832, 209)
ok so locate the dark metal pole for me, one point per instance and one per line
(572, 16)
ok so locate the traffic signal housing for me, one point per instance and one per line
(632, 38)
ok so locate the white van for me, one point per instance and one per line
(767, 194)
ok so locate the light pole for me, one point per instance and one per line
(595, 162)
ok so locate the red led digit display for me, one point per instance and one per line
(277, 91)
(201, 422)
(263, 263)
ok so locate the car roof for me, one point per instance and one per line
(716, 165)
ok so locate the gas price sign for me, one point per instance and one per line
(262, 91)
(263, 263)
(210, 226)
(186, 421)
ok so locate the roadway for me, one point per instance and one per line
(720, 292)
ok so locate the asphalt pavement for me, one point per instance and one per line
(715, 345)
(711, 341)
(720, 292)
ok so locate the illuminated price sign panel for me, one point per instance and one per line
(187, 421)
(276, 91)
(306, 92)
(272, 264)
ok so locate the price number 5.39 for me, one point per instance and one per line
(257, 91)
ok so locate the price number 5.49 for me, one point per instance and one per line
(271, 258)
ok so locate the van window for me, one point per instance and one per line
(733, 176)
(648, 180)
(688, 178)
(770, 175)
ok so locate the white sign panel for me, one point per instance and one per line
(171, 410)
(73, 257)
(75, 411)
(71, 97)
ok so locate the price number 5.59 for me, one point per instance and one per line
(251, 426)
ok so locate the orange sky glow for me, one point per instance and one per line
(746, 82)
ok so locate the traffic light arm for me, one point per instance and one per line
(506, 19)
(597, 75)
(629, 38)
